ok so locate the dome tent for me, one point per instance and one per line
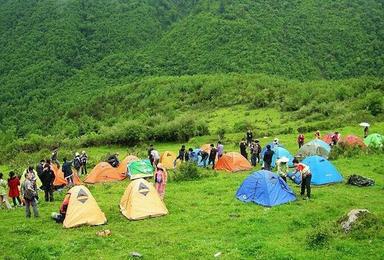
(322, 170)
(314, 147)
(265, 188)
(141, 200)
(233, 162)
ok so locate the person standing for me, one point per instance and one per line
(67, 170)
(180, 156)
(30, 194)
(300, 140)
(3, 193)
(267, 158)
(253, 149)
(317, 134)
(84, 160)
(77, 162)
(258, 149)
(40, 168)
(306, 177)
(366, 130)
(155, 157)
(149, 153)
(14, 192)
(47, 179)
(335, 138)
(54, 157)
(161, 177)
(220, 149)
(243, 149)
(212, 156)
(249, 137)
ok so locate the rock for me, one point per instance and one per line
(351, 218)
(136, 254)
(217, 254)
(104, 233)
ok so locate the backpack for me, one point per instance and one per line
(77, 163)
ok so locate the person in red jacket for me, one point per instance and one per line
(306, 177)
(14, 192)
(300, 140)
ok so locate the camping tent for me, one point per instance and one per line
(140, 169)
(273, 146)
(374, 140)
(327, 138)
(104, 172)
(265, 188)
(322, 170)
(141, 200)
(59, 176)
(206, 148)
(83, 209)
(352, 140)
(314, 147)
(167, 159)
(197, 158)
(279, 152)
(233, 162)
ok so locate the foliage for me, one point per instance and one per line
(186, 172)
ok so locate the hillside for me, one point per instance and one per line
(55, 56)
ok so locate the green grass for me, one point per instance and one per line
(205, 218)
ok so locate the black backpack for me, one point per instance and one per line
(77, 163)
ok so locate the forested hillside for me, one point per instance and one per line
(72, 68)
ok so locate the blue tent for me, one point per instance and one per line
(280, 151)
(197, 158)
(322, 170)
(265, 188)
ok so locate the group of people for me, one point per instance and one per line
(25, 193)
(282, 163)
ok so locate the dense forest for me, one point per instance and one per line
(102, 71)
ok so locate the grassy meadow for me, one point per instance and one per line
(205, 218)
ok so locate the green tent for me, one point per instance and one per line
(374, 140)
(140, 169)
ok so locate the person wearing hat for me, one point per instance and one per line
(161, 177)
(282, 167)
(276, 142)
(77, 162)
(83, 160)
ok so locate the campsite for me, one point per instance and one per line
(204, 129)
(205, 218)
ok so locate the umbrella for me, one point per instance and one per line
(364, 124)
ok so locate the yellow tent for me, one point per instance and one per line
(167, 159)
(141, 200)
(83, 209)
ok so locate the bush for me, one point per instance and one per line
(319, 238)
(187, 171)
(220, 133)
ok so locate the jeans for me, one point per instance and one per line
(28, 204)
(211, 160)
(306, 184)
(84, 169)
(267, 166)
(48, 192)
(254, 159)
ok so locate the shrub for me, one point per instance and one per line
(220, 133)
(319, 237)
(187, 171)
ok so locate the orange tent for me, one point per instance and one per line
(352, 140)
(327, 138)
(233, 162)
(167, 159)
(59, 176)
(104, 172)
